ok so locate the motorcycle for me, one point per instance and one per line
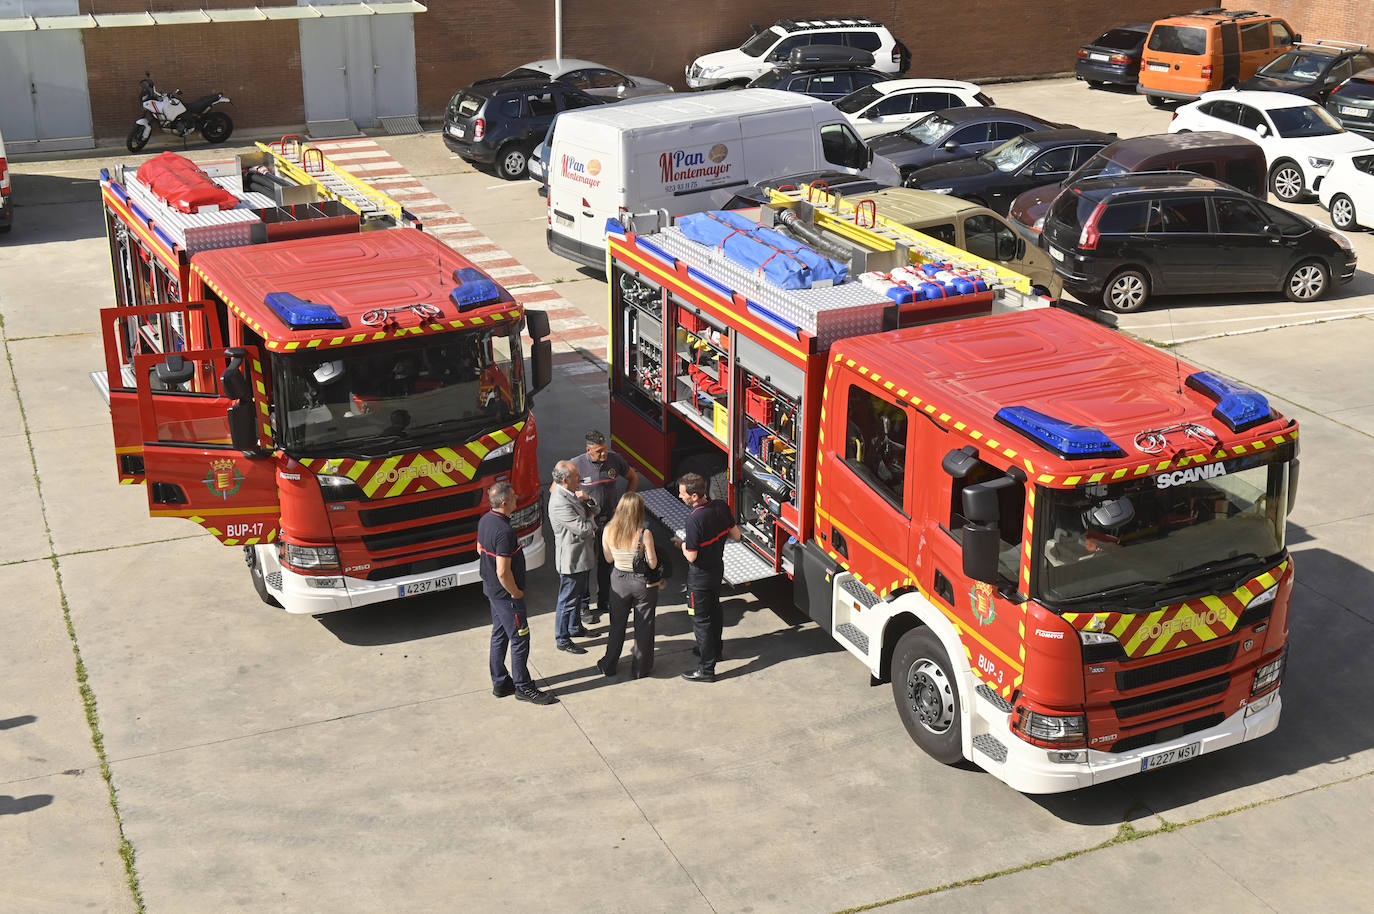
(169, 112)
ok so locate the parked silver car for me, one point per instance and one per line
(592, 78)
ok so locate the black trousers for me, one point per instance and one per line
(631, 593)
(603, 576)
(708, 620)
(509, 627)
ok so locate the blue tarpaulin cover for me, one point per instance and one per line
(783, 261)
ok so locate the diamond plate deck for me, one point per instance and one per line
(395, 125)
(990, 746)
(851, 633)
(742, 565)
(997, 701)
(321, 130)
(859, 592)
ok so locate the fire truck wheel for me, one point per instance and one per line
(250, 556)
(927, 695)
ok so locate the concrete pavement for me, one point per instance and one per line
(357, 761)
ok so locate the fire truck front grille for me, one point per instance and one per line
(1136, 740)
(1169, 698)
(423, 565)
(1139, 678)
(425, 507)
(399, 539)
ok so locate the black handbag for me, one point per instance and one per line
(641, 563)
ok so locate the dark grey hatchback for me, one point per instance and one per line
(955, 133)
(1128, 237)
(498, 123)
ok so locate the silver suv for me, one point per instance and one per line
(771, 47)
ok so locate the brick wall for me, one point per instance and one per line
(258, 64)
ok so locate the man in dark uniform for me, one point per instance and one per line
(503, 581)
(709, 525)
(605, 477)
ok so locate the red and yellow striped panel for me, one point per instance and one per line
(1182, 624)
(406, 474)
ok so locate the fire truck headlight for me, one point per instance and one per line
(339, 488)
(311, 558)
(1269, 674)
(525, 517)
(1266, 597)
(1100, 646)
(504, 450)
(1051, 729)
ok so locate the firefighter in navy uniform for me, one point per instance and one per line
(708, 526)
(503, 581)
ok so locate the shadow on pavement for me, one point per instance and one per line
(54, 208)
(13, 806)
(11, 723)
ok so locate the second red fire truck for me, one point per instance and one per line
(1064, 549)
(295, 370)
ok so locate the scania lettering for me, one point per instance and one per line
(296, 367)
(1063, 549)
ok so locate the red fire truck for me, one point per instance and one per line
(1064, 549)
(331, 398)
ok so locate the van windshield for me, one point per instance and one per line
(1307, 120)
(1178, 39)
(760, 43)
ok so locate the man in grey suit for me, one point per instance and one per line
(572, 515)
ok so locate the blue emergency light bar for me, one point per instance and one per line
(1072, 442)
(300, 314)
(1238, 406)
(474, 289)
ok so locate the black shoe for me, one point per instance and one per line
(534, 696)
(572, 648)
(607, 671)
(501, 691)
(699, 676)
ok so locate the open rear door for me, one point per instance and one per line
(192, 468)
(129, 331)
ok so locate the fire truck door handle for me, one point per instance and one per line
(943, 588)
(838, 541)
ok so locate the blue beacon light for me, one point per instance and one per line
(1072, 442)
(300, 314)
(474, 289)
(1238, 406)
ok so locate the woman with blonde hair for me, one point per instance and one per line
(629, 547)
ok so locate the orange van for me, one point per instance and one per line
(1208, 49)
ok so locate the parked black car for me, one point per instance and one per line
(828, 72)
(1311, 70)
(955, 133)
(1113, 57)
(1128, 237)
(499, 123)
(1352, 102)
(998, 176)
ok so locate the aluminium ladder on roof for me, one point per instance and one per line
(307, 164)
(860, 222)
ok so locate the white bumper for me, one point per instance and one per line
(1029, 769)
(302, 594)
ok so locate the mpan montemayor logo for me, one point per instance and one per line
(582, 172)
(682, 165)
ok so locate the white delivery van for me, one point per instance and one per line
(685, 154)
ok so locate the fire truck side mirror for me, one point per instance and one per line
(541, 364)
(981, 543)
(243, 433)
(1292, 484)
(537, 324)
(233, 382)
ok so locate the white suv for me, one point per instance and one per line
(887, 106)
(772, 46)
(1299, 138)
(1347, 191)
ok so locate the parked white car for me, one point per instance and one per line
(1300, 139)
(888, 106)
(770, 47)
(1347, 191)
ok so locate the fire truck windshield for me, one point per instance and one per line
(430, 391)
(1170, 536)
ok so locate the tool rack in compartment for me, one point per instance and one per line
(743, 371)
